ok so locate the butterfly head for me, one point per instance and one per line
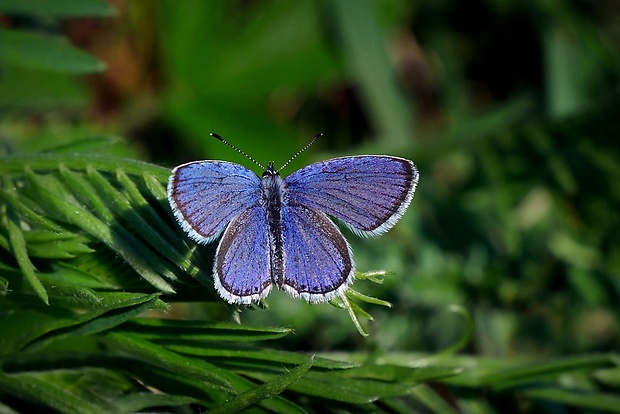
(270, 171)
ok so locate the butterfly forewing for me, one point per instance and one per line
(206, 195)
(369, 193)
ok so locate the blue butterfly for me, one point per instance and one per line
(277, 231)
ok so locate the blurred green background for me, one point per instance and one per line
(509, 108)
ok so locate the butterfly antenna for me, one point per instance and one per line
(317, 136)
(216, 136)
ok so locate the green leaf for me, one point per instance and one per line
(58, 8)
(343, 302)
(502, 373)
(270, 355)
(101, 323)
(396, 373)
(58, 289)
(159, 357)
(265, 391)
(182, 384)
(81, 217)
(501, 379)
(84, 353)
(45, 389)
(610, 377)
(578, 398)
(136, 402)
(34, 51)
(4, 284)
(153, 183)
(104, 270)
(124, 208)
(10, 198)
(354, 391)
(18, 245)
(353, 294)
(201, 331)
(146, 209)
(174, 383)
(65, 316)
(432, 400)
(60, 249)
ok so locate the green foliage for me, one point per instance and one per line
(35, 63)
(502, 294)
(58, 8)
(32, 51)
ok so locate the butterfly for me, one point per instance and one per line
(277, 231)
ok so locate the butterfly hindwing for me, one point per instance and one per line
(242, 267)
(369, 193)
(206, 195)
(318, 264)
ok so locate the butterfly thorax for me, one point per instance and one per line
(272, 195)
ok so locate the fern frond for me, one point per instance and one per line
(69, 202)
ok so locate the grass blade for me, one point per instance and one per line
(265, 391)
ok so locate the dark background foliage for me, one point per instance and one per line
(504, 275)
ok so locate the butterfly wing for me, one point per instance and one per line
(206, 195)
(369, 193)
(318, 264)
(242, 267)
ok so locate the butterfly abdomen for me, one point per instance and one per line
(272, 193)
